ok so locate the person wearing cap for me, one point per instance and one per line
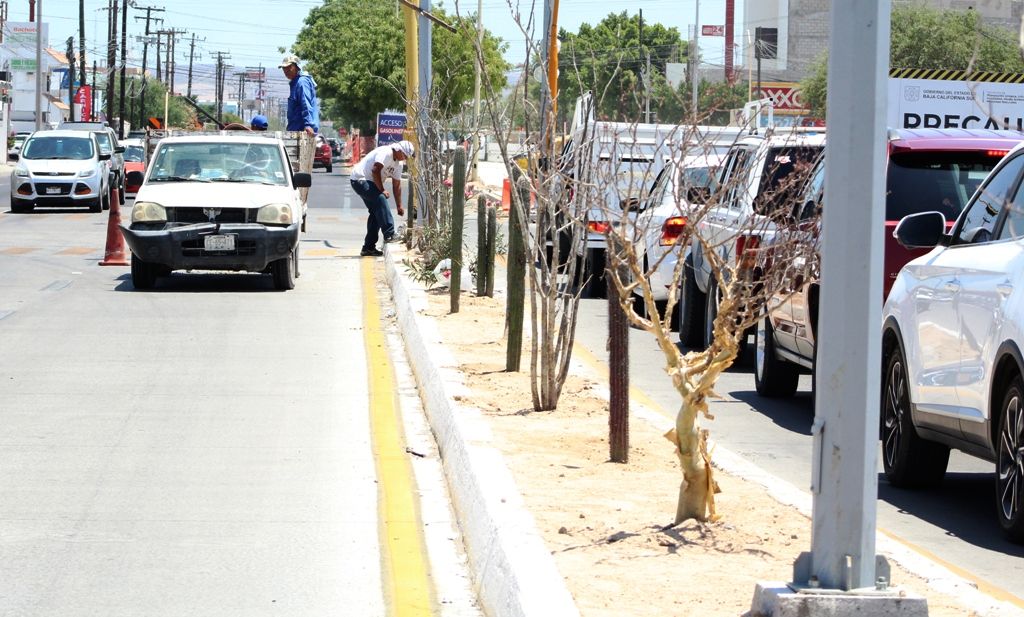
(367, 180)
(303, 109)
(258, 123)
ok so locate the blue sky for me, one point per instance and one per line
(251, 32)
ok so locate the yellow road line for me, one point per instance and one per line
(17, 250)
(78, 250)
(321, 253)
(404, 560)
(595, 363)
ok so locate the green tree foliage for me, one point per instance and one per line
(608, 58)
(152, 101)
(926, 38)
(355, 51)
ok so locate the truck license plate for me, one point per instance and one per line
(219, 243)
(53, 190)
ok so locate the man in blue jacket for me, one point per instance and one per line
(303, 110)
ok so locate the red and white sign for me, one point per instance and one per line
(83, 99)
(712, 30)
(785, 96)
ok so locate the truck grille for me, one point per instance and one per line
(195, 248)
(226, 215)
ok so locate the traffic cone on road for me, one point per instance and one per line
(114, 255)
(506, 195)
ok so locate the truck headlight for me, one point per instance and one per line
(87, 173)
(275, 214)
(21, 172)
(148, 212)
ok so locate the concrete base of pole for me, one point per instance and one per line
(774, 599)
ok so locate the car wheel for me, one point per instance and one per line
(143, 273)
(908, 460)
(711, 300)
(98, 205)
(1010, 463)
(690, 309)
(18, 208)
(283, 272)
(594, 285)
(120, 194)
(330, 168)
(773, 376)
(105, 200)
(295, 262)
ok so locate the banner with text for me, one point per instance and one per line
(390, 127)
(955, 100)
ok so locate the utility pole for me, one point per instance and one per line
(221, 56)
(696, 60)
(71, 78)
(81, 50)
(39, 67)
(3, 18)
(646, 73)
(145, 51)
(111, 57)
(475, 146)
(124, 63)
(191, 57)
(241, 92)
(159, 44)
(92, 94)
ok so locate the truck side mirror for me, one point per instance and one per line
(302, 180)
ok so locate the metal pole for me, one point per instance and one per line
(425, 34)
(696, 59)
(845, 480)
(475, 146)
(81, 52)
(39, 66)
(124, 63)
(71, 78)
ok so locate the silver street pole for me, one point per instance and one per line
(39, 65)
(696, 59)
(474, 148)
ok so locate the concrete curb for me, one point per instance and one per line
(513, 570)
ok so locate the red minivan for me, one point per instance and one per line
(927, 169)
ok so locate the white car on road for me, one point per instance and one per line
(60, 168)
(217, 202)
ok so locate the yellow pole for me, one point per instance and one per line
(553, 61)
(412, 87)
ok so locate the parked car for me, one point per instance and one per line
(106, 137)
(336, 147)
(322, 156)
(60, 168)
(926, 169)
(134, 160)
(213, 202)
(952, 340)
(663, 218)
(760, 177)
(15, 149)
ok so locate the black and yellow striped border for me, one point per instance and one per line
(949, 75)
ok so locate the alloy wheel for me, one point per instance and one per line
(894, 413)
(759, 349)
(1010, 466)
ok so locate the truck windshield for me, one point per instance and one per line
(48, 147)
(943, 181)
(206, 161)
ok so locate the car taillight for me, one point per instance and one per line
(672, 230)
(746, 251)
(998, 153)
(598, 227)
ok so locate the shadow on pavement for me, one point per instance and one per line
(793, 414)
(964, 505)
(181, 282)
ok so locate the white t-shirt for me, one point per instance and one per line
(363, 170)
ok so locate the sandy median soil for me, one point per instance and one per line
(605, 522)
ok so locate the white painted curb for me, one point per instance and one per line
(514, 572)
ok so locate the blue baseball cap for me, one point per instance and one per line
(259, 122)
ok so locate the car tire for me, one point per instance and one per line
(711, 299)
(98, 205)
(908, 460)
(283, 273)
(330, 168)
(105, 200)
(691, 309)
(18, 208)
(143, 273)
(1010, 463)
(295, 262)
(773, 377)
(594, 284)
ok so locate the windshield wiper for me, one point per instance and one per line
(179, 179)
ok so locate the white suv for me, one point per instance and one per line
(60, 168)
(952, 340)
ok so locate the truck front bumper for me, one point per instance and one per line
(183, 247)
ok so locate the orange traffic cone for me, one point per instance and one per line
(115, 253)
(506, 195)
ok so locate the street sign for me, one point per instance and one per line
(390, 126)
(712, 30)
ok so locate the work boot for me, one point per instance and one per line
(371, 252)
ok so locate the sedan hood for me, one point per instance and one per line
(219, 194)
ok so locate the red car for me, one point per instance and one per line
(134, 160)
(322, 157)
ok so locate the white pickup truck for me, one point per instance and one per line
(218, 202)
(754, 181)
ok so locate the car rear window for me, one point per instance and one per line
(785, 175)
(941, 181)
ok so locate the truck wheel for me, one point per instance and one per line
(773, 376)
(143, 273)
(283, 272)
(691, 309)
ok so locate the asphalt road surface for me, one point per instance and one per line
(204, 448)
